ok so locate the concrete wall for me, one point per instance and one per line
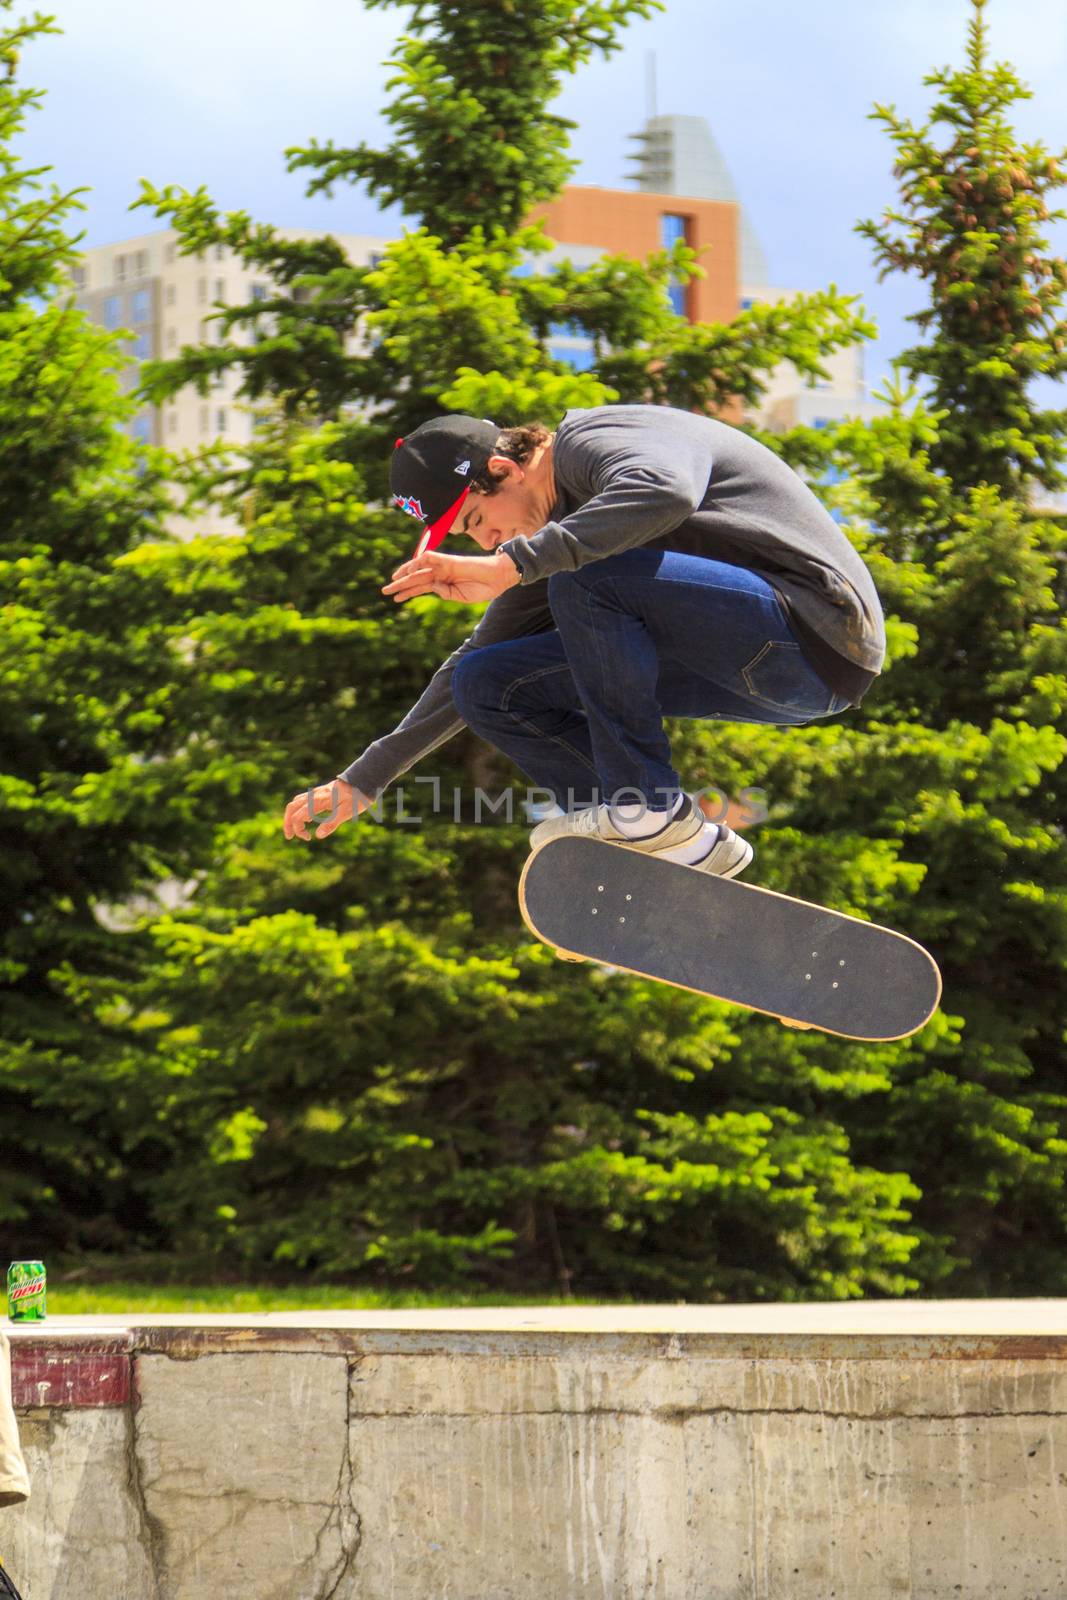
(642, 1453)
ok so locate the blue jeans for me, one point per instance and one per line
(639, 636)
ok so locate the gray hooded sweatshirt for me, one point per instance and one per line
(652, 476)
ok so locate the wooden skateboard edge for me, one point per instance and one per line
(706, 994)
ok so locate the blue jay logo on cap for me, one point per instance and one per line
(408, 503)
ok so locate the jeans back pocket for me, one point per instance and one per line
(779, 676)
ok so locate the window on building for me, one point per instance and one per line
(673, 228)
(140, 264)
(747, 302)
(204, 411)
(113, 311)
(170, 253)
(141, 428)
(220, 288)
(220, 419)
(120, 269)
(172, 293)
(201, 291)
(259, 291)
(142, 306)
(80, 277)
(142, 345)
(172, 421)
(220, 252)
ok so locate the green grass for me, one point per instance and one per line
(74, 1300)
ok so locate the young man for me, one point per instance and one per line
(642, 562)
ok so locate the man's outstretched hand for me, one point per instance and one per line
(338, 798)
(473, 579)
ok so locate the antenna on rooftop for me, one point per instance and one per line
(650, 75)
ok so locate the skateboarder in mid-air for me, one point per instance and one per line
(642, 562)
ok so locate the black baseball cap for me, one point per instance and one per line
(431, 471)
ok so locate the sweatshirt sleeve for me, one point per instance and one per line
(433, 719)
(635, 484)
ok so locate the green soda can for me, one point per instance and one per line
(26, 1291)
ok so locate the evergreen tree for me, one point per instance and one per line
(965, 762)
(382, 1073)
(348, 1058)
(972, 226)
(86, 687)
(476, 145)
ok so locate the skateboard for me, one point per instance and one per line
(798, 962)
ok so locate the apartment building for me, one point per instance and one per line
(166, 300)
(684, 190)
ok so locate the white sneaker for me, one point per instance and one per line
(596, 821)
(729, 855)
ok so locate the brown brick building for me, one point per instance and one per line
(632, 223)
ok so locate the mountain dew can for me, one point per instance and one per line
(26, 1291)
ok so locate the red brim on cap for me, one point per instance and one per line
(436, 533)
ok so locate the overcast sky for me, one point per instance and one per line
(210, 93)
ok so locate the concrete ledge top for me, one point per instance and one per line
(966, 1319)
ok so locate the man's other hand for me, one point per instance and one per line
(338, 798)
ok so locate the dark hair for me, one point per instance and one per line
(518, 444)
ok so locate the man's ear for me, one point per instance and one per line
(501, 467)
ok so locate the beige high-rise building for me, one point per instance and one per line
(793, 401)
(166, 300)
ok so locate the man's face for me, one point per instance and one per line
(515, 508)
